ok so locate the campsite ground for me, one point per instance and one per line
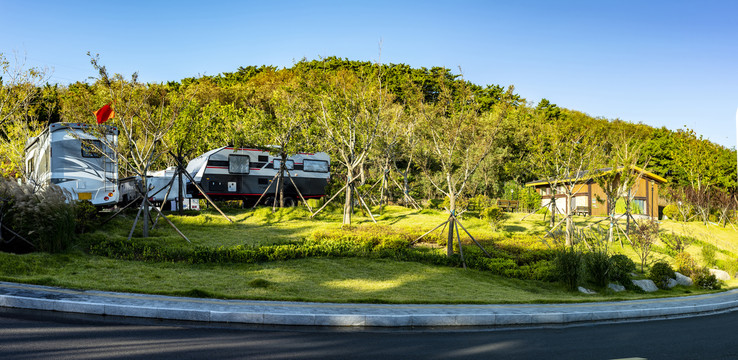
(350, 279)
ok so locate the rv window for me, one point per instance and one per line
(263, 158)
(315, 165)
(238, 164)
(91, 148)
(289, 164)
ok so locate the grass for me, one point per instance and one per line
(316, 279)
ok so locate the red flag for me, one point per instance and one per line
(104, 113)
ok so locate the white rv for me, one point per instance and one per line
(230, 173)
(72, 157)
(159, 185)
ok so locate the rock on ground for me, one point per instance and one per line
(586, 291)
(671, 283)
(646, 285)
(616, 287)
(720, 275)
(683, 280)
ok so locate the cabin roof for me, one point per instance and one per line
(584, 176)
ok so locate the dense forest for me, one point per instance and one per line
(403, 134)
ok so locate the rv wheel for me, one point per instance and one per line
(269, 201)
(289, 202)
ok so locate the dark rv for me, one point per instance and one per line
(244, 174)
(74, 158)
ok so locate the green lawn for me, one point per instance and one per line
(311, 279)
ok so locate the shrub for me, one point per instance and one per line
(461, 203)
(676, 243)
(703, 279)
(597, 267)
(42, 217)
(494, 215)
(86, 216)
(685, 264)
(568, 267)
(621, 268)
(672, 212)
(660, 273)
(480, 202)
(708, 254)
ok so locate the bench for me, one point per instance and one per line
(581, 210)
(507, 205)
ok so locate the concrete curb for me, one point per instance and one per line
(355, 315)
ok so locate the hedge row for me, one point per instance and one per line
(389, 248)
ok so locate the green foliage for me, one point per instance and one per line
(480, 203)
(660, 273)
(259, 283)
(86, 216)
(708, 254)
(621, 268)
(704, 280)
(568, 264)
(672, 212)
(461, 203)
(676, 243)
(42, 217)
(685, 264)
(643, 238)
(494, 215)
(597, 267)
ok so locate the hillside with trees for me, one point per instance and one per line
(395, 133)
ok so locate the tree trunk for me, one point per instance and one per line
(452, 222)
(348, 205)
(145, 219)
(569, 221)
(282, 166)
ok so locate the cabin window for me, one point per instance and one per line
(238, 164)
(91, 148)
(638, 206)
(263, 158)
(315, 165)
(289, 164)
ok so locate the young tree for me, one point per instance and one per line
(143, 114)
(567, 158)
(18, 122)
(350, 112)
(645, 235)
(621, 174)
(456, 139)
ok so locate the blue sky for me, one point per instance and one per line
(662, 63)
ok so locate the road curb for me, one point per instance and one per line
(356, 315)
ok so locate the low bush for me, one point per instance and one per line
(568, 267)
(597, 266)
(685, 264)
(676, 243)
(708, 254)
(660, 274)
(672, 212)
(351, 241)
(703, 279)
(480, 203)
(43, 218)
(494, 215)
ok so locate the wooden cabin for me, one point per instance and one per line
(589, 199)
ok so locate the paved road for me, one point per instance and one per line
(28, 334)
